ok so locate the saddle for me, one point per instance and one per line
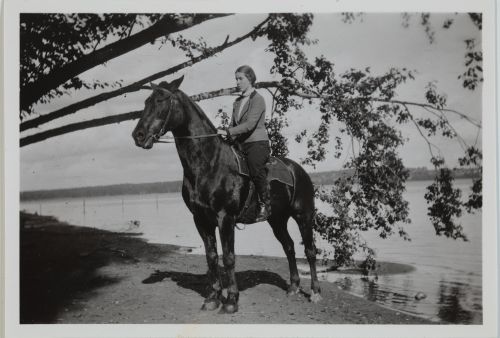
(276, 171)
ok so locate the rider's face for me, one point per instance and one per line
(242, 82)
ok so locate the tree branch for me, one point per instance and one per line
(273, 104)
(198, 97)
(461, 141)
(120, 117)
(79, 126)
(91, 101)
(429, 144)
(312, 95)
(426, 105)
(130, 29)
(32, 92)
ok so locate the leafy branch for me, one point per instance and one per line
(73, 108)
(31, 92)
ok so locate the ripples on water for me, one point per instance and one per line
(445, 301)
(448, 272)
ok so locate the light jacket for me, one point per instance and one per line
(249, 127)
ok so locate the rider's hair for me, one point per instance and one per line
(249, 73)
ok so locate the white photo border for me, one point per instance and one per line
(13, 8)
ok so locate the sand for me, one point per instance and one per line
(80, 275)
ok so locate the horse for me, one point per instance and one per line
(215, 192)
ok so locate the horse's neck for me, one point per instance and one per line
(199, 156)
(196, 122)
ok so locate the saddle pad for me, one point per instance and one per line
(276, 169)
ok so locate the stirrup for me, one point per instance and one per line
(263, 214)
(261, 218)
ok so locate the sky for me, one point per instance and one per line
(107, 155)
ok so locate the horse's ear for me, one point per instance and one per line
(174, 85)
(153, 86)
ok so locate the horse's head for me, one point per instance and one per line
(161, 113)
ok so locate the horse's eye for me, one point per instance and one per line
(160, 112)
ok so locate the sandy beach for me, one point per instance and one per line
(81, 275)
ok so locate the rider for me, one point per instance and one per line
(248, 129)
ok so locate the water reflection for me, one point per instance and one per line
(372, 292)
(453, 303)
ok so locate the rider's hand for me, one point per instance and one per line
(222, 132)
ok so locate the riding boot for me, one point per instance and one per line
(264, 204)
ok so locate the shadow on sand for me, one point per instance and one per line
(198, 282)
(60, 263)
(60, 267)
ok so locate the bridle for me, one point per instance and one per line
(157, 137)
(162, 131)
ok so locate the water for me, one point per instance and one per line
(448, 272)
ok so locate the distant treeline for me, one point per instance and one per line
(322, 178)
(105, 190)
(416, 174)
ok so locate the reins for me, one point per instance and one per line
(170, 139)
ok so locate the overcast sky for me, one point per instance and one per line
(107, 155)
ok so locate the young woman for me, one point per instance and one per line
(248, 129)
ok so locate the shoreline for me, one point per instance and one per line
(72, 274)
(319, 179)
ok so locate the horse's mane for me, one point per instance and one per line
(188, 102)
(224, 147)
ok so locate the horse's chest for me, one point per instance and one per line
(214, 196)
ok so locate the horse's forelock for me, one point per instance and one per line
(164, 85)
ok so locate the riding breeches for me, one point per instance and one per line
(257, 154)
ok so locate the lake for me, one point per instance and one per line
(447, 271)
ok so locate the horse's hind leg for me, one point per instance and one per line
(304, 221)
(279, 226)
(207, 233)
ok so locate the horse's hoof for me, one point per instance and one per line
(315, 297)
(228, 308)
(210, 305)
(292, 290)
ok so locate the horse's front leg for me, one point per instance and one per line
(206, 230)
(226, 232)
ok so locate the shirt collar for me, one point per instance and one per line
(248, 94)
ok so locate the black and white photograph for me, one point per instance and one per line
(302, 168)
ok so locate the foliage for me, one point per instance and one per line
(371, 198)
(444, 203)
(48, 42)
(473, 74)
(473, 157)
(224, 118)
(375, 192)
(57, 48)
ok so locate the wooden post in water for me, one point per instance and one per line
(157, 209)
(84, 207)
(123, 207)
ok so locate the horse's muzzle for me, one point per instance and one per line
(142, 140)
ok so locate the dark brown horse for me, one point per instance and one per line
(215, 192)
